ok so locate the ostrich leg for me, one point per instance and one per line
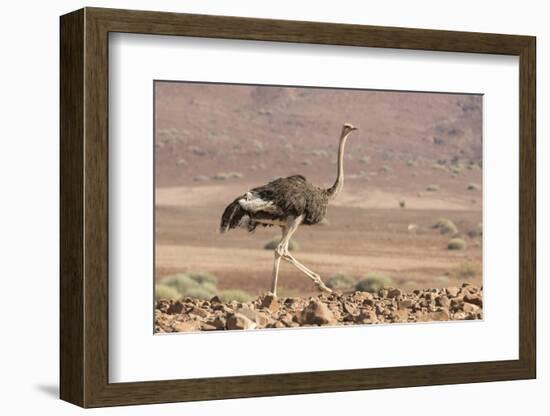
(314, 276)
(278, 253)
(288, 257)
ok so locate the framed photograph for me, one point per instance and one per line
(255, 207)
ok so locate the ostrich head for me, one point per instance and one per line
(347, 129)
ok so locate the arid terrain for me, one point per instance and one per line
(267, 311)
(415, 161)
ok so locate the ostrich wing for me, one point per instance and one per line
(276, 202)
(288, 196)
(294, 196)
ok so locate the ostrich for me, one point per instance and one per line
(287, 203)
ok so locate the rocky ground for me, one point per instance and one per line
(268, 311)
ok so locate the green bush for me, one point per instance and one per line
(234, 175)
(445, 226)
(193, 284)
(234, 294)
(180, 282)
(272, 245)
(456, 169)
(341, 281)
(222, 176)
(476, 232)
(165, 292)
(204, 292)
(373, 283)
(203, 277)
(438, 166)
(432, 188)
(473, 187)
(456, 244)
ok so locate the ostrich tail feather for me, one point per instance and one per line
(231, 216)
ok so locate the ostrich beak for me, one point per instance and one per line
(350, 127)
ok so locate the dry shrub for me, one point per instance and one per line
(201, 285)
(165, 292)
(476, 232)
(373, 282)
(456, 244)
(341, 281)
(445, 226)
(234, 295)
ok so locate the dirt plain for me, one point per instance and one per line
(214, 142)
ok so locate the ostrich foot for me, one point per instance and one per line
(322, 287)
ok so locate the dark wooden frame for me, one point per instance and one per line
(84, 207)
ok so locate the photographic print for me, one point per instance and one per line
(290, 207)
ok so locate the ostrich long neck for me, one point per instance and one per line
(339, 183)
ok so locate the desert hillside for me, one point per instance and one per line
(413, 183)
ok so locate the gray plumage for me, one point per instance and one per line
(287, 197)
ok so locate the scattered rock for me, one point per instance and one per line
(215, 299)
(460, 316)
(186, 326)
(350, 308)
(394, 293)
(430, 296)
(443, 301)
(269, 301)
(259, 318)
(405, 303)
(239, 321)
(400, 315)
(268, 311)
(289, 323)
(441, 315)
(207, 327)
(367, 317)
(452, 292)
(176, 307)
(203, 313)
(163, 305)
(474, 299)
(471, 308)
(316, 313)
(218, 322)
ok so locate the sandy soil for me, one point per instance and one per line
(358, 240)
(407, 142)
